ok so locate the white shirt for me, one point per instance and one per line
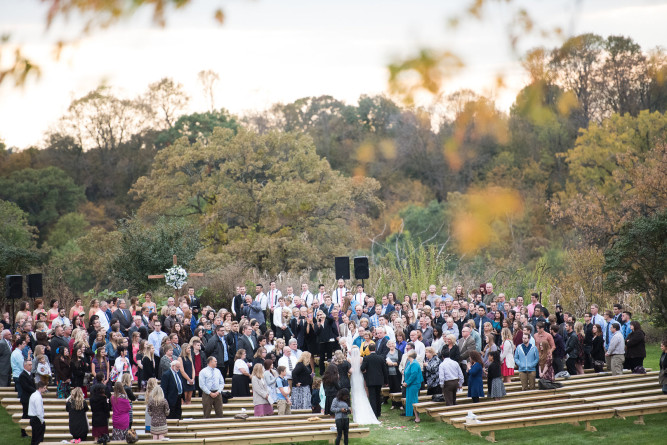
(360, 297)
(156, 340)
(286, 361)
(389, 331)
(103, 319)
(36, 406)
(450, 370)
(307, 298)
(263, 300)
(273, 296)
(296, 354)
(338, 295)
(278, 316)
(320, 298)
(420, 349)
(239, 365)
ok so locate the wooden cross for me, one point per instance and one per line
(193, 274)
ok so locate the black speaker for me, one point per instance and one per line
(34, 285)
(14, 287)
(361, 271)
(342, 267)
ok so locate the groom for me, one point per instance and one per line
(375, 372)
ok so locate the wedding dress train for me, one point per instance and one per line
(361, 408)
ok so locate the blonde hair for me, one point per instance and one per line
(157, 395)
(126, 379)
(579, 327)
(451, 338)
(506, 334)
(150, 386)
(430, 349)
(118, 390)
(305, 358)
(338, 357)
(77, 398)
(258, 371)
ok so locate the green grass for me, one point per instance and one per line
(396, 430)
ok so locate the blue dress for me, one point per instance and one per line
(475, 381)
(413, 379)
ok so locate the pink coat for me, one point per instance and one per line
(121, 412)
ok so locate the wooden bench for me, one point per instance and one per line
(641, 410)
(295, 436)
(572, 417)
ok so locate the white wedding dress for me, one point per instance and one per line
(361, 408)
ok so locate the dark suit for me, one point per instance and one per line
(170, 388)
(381, 347)
(326, 336)
(124, 316)
(250, 348)
(387, 310)
(237, 304)
(375, 372)
(216, 348)
(5, 363)
(27, 385)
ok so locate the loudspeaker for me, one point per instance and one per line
(14, 287)
(34, 285)
(342, 267)
(361, 271)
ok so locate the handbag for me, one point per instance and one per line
(599, 363)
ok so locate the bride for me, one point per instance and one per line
(361, 407)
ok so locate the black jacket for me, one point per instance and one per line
(27, 384)
(635, 344)
(375, 371)
(215, 348)
(170, 388)
(244, 343)
(301, 374)
(381, 347)
(101, 409)
(327, 331)
(231, 344)
(573, 348)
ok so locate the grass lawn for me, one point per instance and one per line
(396, 430)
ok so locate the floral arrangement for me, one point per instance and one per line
(175, 277)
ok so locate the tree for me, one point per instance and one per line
(45, 194)
(101, 120)
(17, 240)
(637, 261)
(617, 172)
(145, 249)
(167, 99)
(268, 200)
(208, 79)
(576, 64)
(69, 227)
(197, 127)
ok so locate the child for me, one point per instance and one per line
(43, 369)
(341, 408)
(283, 399)
(158, 408)
(315, 396)
(150, 386)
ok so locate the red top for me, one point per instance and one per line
(197, 363)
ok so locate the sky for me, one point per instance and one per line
(271, 51)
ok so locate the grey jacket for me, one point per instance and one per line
(337, 406)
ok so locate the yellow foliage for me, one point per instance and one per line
(483, 216)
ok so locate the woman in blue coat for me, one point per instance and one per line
(475, 376)
(412, 380)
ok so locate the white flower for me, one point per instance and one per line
(176, 277)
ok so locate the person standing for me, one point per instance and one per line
(172, 387)
(340, 407)
(158, 410)
(120, 405)
(635, 346)
(572, 348)
(211, 383)
(260, 392)
(5, 357)
(36, 414)
(526, 357)
(17, 362)
(302, 380)
(412, 381)
(26, 386)
(100, 408)
(450, 377)
(374, 368)
(476, 376)
(284, 401)
(77, 407)
(616, 349)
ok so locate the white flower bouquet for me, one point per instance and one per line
(176, 277)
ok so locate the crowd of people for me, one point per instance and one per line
(432, 340)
